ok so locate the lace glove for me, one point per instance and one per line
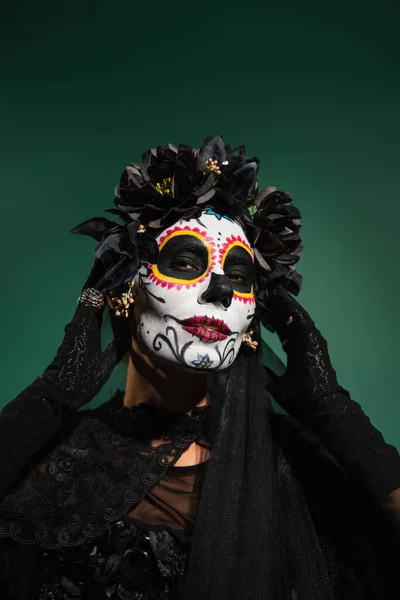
(74, 377)
(309, 391)
(81, 367)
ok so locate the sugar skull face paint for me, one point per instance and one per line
(195, 304)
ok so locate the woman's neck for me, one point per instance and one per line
(171, 388)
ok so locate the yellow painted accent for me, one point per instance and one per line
(235, 243)
(162, 277)
(245, 294)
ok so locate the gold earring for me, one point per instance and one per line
(121, 304)
(248, 340)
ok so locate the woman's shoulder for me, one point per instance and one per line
(86, 476)
(97, 466)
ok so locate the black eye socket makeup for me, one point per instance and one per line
(183, 257)
(239, 267)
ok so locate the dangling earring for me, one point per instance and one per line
(248, 340)
(121, 304)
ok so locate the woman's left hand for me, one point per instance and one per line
(309, 374)
(309, 391)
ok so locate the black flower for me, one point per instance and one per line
(136, 587)
(136, 576)
(278, 223)
(275, 229)
(177, 181)
(108, 569)
(71, 589)
(164, 548)
(121, 249)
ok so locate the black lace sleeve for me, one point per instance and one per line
(27, 424)
(361, 547)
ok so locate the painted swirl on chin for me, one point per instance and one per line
(170, 339)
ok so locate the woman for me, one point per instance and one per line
(179, 486)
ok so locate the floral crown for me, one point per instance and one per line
(178, 182)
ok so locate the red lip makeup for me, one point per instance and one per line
(206, 328)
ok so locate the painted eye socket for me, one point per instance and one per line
(239, 267)
(184, 258)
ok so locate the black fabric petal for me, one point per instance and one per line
(95, 227)
(120, 248)
(214, 148)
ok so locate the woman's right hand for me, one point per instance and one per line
(81, 367)
(75, 376)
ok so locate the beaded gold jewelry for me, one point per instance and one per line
(122, 304)
(248, 340)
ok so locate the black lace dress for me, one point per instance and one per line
(97, 513)
(143, 555)
(100, 513)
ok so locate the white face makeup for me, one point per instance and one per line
(193, 307)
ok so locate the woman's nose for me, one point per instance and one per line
(220, 289)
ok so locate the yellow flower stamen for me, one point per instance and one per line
(212, 165)
(164, 187)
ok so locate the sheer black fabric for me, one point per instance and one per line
(249, 482)
(174, 501)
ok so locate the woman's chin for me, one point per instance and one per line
(194, 356)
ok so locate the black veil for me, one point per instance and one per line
(254, 536)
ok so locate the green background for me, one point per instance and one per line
(311, 88)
